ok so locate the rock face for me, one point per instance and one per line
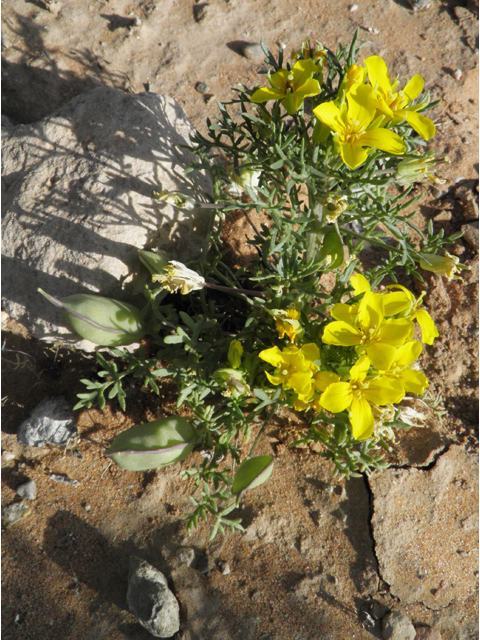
(51, 422)
(425, 526)
(151, 601)
(77, 201)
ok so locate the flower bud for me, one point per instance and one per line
(177, 199)
(241, 179)
(414, 170)
(176, 276)
(232, 381)
(103, 321)
(153, 444)
(235, 351)
(155, 262)
(446, 265)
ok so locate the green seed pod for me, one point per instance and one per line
(251, 473)
(340, 433)
(153, 444)
(155, 262)
(103, 321)
(331, 250)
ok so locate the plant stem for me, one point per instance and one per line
(219, 287)
(262, 429)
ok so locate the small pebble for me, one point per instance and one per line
(186, 555)
(353, 7)
(373, 30)
(436, 193)
(458, 74)
(253, 52)
(470, 234)
(201, 87)
(87, 506)
(64, 480)
(13, 513)
(136, 22)
(27, 490)
(8, 456)
(5, 42)
(419, 5)
(224, 568)
(396, 626)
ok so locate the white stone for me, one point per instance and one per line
(77, 202)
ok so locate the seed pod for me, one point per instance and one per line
(153, 444)
(251, 473)
(331, 250)
(103, 321)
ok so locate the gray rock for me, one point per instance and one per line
(12, 513)
(77, 202)
(224, 568)
(396, 626)
(27, 490)
(51, 422)
(151, 601)
(253, 52)
(202, 87)
(415, 512)
(185, 555)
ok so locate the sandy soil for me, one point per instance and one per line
(65, 564)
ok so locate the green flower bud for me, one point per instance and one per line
(232, 381)
(332, 251)
(153, 444)
(235, 351)
(251, 473)
(155, 262)
(103, 321)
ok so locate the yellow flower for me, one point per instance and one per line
(286, 322)
(393, 363)
(424, 319)
(293, 367)
(446, 265)
(394, 103)
(368, 326)
(354, 128)
(176, 276)
(290, 87)
(358, 394)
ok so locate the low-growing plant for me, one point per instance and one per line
(321, 163)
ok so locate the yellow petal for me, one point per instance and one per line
(359, 283)
(278, 80)
(378, 73)
(329, 114)
(408, 293)
(274, 379)
(396, 302)
(345, 312)
(306, 66)
(421, 124)
(352, 155)
(360, 369)
(413, 381)
(273, 356)
(311, 351)
(383, 139)
(336, 397)
(300, 382)
(342, 334)
(382, 356)
(265, 94)
(413, 88)
(408, 353)
(395, 332)
(370, 312)
(361, 418)
(384, 390)
(310, 87)
(323, 379)
(429, 330)
(361, 104)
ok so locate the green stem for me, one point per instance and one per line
(375, 241)
(247, 292)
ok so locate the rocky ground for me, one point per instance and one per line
(320, 558)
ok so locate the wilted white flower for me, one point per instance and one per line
(241, 180)
(180, 200)
(176, 276)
